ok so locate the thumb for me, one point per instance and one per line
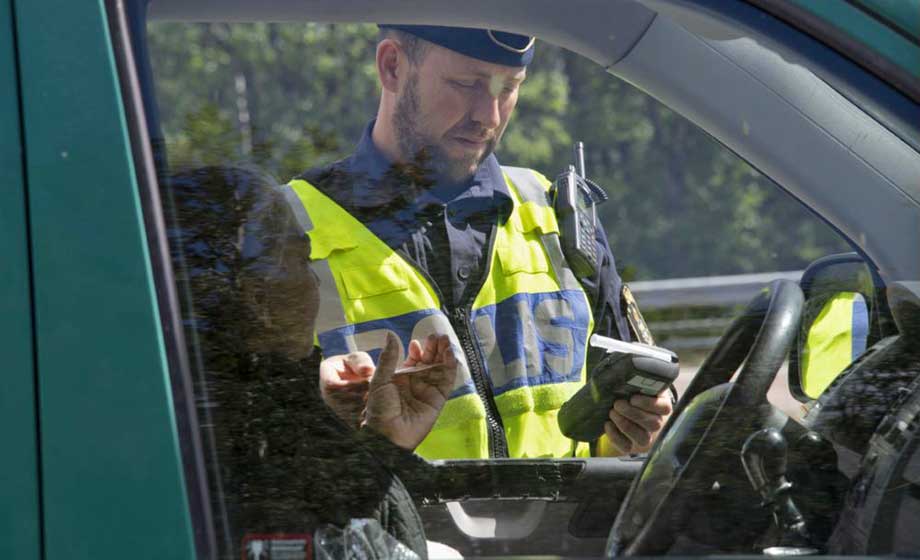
(386, 364)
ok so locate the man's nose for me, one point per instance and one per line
(486, 111)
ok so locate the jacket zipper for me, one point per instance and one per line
(460, 321)
(498, 445)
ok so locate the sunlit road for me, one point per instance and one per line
(779, 394)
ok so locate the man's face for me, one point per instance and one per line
(452, 111)
(279, 283)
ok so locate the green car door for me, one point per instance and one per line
(19, 516)
(110, 468)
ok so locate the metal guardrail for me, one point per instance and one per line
(709, 290)
(689, 334)
(713, 291)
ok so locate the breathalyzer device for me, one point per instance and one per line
(627, 369)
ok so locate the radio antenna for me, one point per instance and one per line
(580, 158)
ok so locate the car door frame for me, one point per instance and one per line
(111, 470)
(19, 474)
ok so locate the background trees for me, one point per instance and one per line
(287, 97)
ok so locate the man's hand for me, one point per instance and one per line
(405, 407)
(634, 425)
(343, 383)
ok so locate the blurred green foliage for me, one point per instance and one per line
(288, 97)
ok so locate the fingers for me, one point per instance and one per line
(640, 419)
(616, 437)
(386, 365)
(660, 405)
(450, 359)
(646, 420)
(343, 371)
(437, 350)
(637, 435)
(341, 388)
(434, 348)
(444, 348)
(359, 365)
(444, 379)
(431, 349)
(414, 354)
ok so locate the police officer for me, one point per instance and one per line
(421, 233)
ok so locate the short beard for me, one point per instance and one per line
(424, 152)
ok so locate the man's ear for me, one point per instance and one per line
(390, 64)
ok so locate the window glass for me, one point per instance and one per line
(248, 108)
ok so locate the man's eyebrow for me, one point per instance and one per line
(487, 76)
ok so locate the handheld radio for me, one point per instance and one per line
(574, 201)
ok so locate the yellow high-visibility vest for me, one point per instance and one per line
(526, 330)
(836, 337)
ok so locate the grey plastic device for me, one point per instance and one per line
(617, 376)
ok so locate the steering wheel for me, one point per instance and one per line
(696, 460)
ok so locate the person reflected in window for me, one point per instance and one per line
(285, 463)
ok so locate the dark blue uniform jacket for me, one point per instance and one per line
(444, 229)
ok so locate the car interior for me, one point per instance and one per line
(732, 473)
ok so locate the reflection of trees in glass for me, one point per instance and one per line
(291, 96)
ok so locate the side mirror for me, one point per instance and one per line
(840, 300)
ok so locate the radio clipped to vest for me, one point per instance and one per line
(575, 198)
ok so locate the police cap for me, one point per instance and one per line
(497, 47)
